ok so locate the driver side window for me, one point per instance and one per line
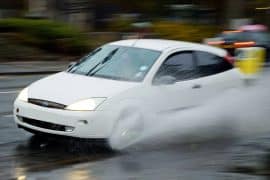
(178, 65)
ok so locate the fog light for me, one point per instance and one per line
(69, 128)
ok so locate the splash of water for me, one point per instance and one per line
(240, 112)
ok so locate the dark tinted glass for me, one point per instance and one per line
(209, 64)
(180, 65)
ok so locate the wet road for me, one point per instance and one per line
(23, 156)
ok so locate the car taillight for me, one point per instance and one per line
(244, 44)
(229, 59)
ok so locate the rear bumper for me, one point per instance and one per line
(81, 124)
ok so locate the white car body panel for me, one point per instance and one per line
(94, 129)
(67, 88)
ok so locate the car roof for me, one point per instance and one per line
(162, 45)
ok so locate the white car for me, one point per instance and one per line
(124, 81)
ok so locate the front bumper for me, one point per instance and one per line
(81, 124)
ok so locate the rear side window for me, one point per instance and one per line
(210, 64)
(179, 65)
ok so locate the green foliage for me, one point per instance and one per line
(184, 32)
(11, 50)
(121, 24)
(47, 34)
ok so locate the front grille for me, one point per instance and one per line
(45, 125)
(47, 104)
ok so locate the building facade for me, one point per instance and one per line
(11, 8)
(76, 12)
(88, 13)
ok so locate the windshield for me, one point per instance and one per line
(117, 62)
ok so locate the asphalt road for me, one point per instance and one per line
(23, 156)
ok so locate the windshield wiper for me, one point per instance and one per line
(84, 58)
(101, 64)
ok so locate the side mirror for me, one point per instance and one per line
(165, 80)
(71, 64)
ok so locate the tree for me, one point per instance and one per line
(149, 7)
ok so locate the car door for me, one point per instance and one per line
(199, 77)
(181, 94)
(215, 75)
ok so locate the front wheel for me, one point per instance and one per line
(127, 131)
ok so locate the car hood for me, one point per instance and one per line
(67, 88)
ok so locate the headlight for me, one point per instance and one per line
(86, 105)
(23, 96)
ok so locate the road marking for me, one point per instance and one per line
(9, 92)
(8, 115)
(4, 77)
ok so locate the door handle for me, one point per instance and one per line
(196, 86)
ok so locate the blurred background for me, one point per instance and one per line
(66, 29)
(40, 37)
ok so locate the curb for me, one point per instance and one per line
(29, 72)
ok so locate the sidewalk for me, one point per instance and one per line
(33, 67)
